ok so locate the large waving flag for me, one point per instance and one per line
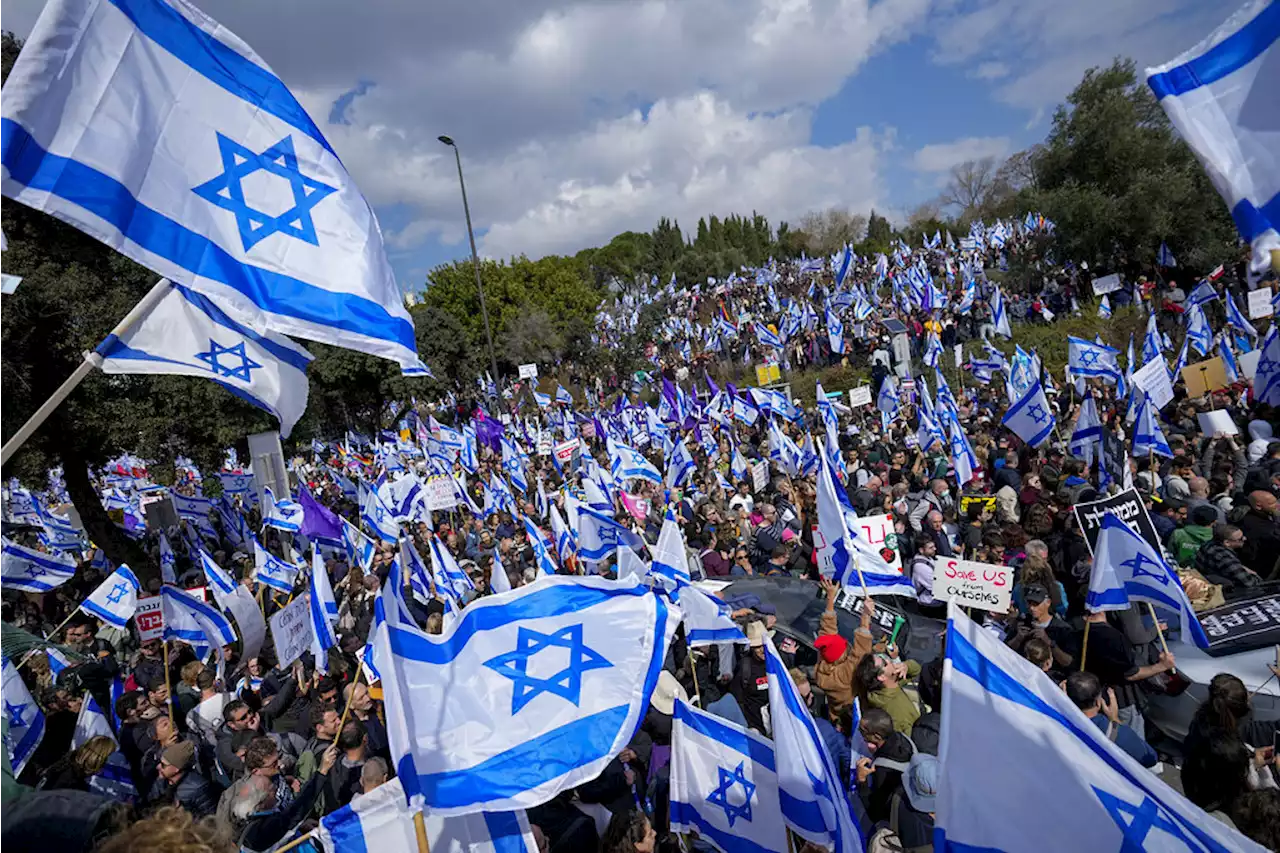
(33, 571)
(566, 542)
(835, 332)
(25, 719)
(115, 599)
(1143, 575)
(1006, 719)
(195, 623)
(887, 400)
(682, 467)
(541, 553)
(1087, 358)
(450, 578)
(546, 684)
(323, 608)
(842, 554)
(724, 784)
(599, 536)
(187, 154)
(1031, 417)
(1000, 315)
(381, 821)
(670, 565)
(1266, 381)
(1218, 96)
(767, 337)
(811, 791)
(377, 516)
(627, 463)
(272, 571)
(186, 334)
(1198, 331)
(359, 547)
(282, 514)
(220, 582)
(1147, 435)
(707, 620)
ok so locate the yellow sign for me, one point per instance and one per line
(766, 373)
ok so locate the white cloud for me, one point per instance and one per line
(990, 71)
(941, 157)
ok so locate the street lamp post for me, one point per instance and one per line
(475, 260)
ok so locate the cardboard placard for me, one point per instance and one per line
(1260, 303)
(564, 450)
(1128, 506)
(1106, 284)
(767, 373)
(1153, 379)
(860, 396)
(528, 371)
(440, 493)
(878, 531)
(959, 355)
(1204, 376)
(981, 585)
(291, 630)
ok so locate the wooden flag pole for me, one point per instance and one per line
(168, 689)
(1084, 645)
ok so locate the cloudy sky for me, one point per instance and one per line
(579, 119)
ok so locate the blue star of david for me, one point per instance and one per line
(1037, 413)
(15, 714)
(1265, 365)
(227, 191)
(720, 796)
(271, 568)
(1136, 822)
(1137, 566)
(1088, 357)
(34, 571)
(241, 371)
(117, 592)
(567, 683)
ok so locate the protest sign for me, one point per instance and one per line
(981, 585)
(148, 619)
(588, 430)
(249, 622)
(988, 502)
(860, 396)
(1212, 423)
(1153, 379)
(564, 450)
(291, 630)
(878, 530)
(1204, 376)
(1260, 303)
(766, 373)
(1128, 506)
(528, 371)
(1106, 284)
(440, 493)
(159, 513)
(544, 445)
(1242, 623)
(1248, 363)
(759, 475)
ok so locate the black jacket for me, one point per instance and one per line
(265, 831)
(1220, 565)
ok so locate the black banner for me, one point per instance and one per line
(1128, 507)
(1115, 459)
(1253, 623)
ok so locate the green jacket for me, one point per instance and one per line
(895, 700)
(1186, 541)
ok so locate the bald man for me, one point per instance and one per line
(1262, 535)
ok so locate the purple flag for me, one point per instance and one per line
(318, 521)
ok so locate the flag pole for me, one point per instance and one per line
(347, 710)
(420, 827)
(1159, 633)
(1084, 645)
(47, 639)
(164, 644)
(91, 360)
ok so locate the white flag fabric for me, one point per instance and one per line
(1266, 381)
(185, 333)
(115, 780)
(187, 154)
(724, 784)
(281, 513)
(842, 554)
(1031, 417)
(382, 822)
(272, 571)
(168, 560)
(220, 582)
(32, 571)
(545, 683)
(115, 599)
(670, 566)
(1007, 720)
(25, 719)
(195, 623)
(323, 608)
(1219, 95)
(599, 536)
(812, 792)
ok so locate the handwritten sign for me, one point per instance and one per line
(981, 585)
(1153, 379)
(879, 532)
(441, 494)
(1260, 303)
(860, 396)
(1106, 284)
(528, 371)
(148, 619)
(291, 630)
(759, 475)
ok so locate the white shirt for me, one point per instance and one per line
(206, 718)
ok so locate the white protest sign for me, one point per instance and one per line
(544, 445)
(981, 585)
(249, 622)
(441, 494)
(878, 531)
(1260, 303)
(291, 630)
(1153, 379)
(1106, 284)
(860, 396)
(148, 619)
(959, 354)
(528, 371)
(759, 475)
(1248, 363)
(1212, 423)
(564, 450)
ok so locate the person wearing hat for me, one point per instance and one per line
(180, 782)
(750, 683)
(1041, 623)
(838, 659)
(1186, 541)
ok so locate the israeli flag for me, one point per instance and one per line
(1147, 436)
(450, 578)
(323, 608)
(1198, 331)
(115, 599)
(220, 582)
(1087, 358)
(1217, 96)
(381, 820)
(682, 467)
(835, 332)
(766, 337)
(566, 542)
(1229, 364)
(1237, 320)
(195, 623)
(115, 779)
(842, 554)
(236, 484)
(599, 536)
(542, 561)
(812, 794)
(186, 334)
(1087, 434)
(359, 547)
(1141, 574)
(30, 570)
(1006, 719)
(962, 455)
(283, 514)
(724, 784)
(887, 400)
(670, 566)
(1031, 418)
(707, 620)
(1266, 381)
(563, 396)
(377, 517)
(168, 560)
(551, 678)
(1104, 308)
(272, 571)
(187, 154)
(24, 717)
(1000, 315)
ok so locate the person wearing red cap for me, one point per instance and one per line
(834, 672)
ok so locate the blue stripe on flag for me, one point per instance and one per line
(347, 833)
(685, 815)
(218, 63)
(1252, 220)
(111, 201)
(712, 729)
(504, 832)
(103, 614)
(1226, 57)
